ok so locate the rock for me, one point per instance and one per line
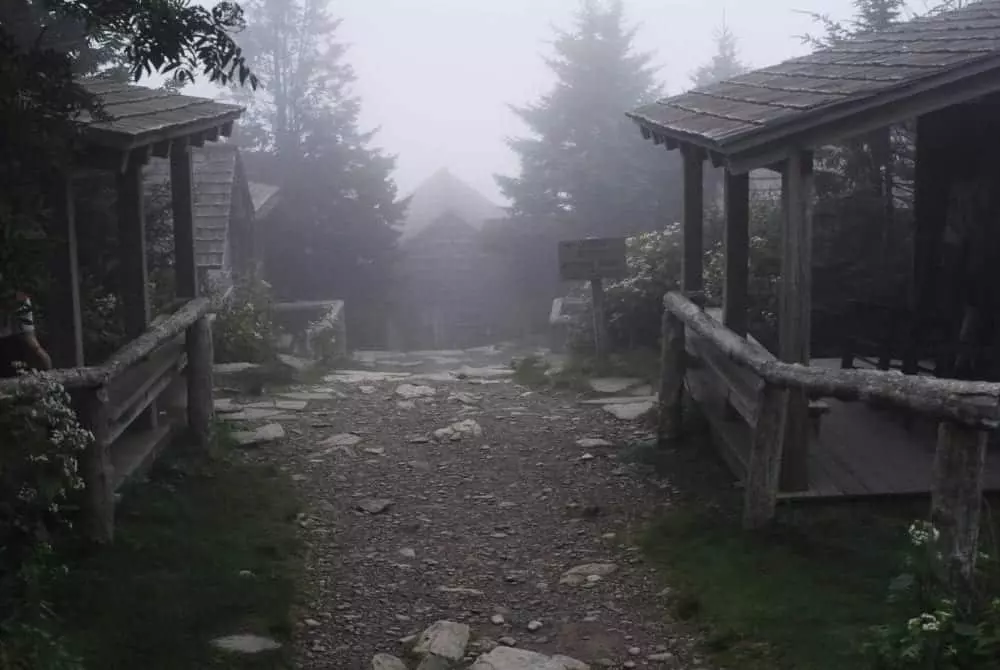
(461, 590)
(419, 440)
(593, 443)
(309, 395)
(233, 368)
(644, 390)
(374, 505)
(466, 398)
(446, 639)
(664, 657)
(570, 663)
(411, 391)
(508, 641)
(312, 623)
(509, 658)
(634, 651)
(482, 373)
(581, 573)
(363, 376)
(375, 451)
(612, 385)
(226, 406)
(367, 390)
(407, 553)
(272, 432)
(534, 625)
(458, 430)
(296, 363)
(432, 662)
(387, 662)
(341, 440)
(252, 414)
(406, 404)
(619, 400)
(245, 644)
(497, 620)
(630, 411)
(283, 405)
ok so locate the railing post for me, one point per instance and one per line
(672, 370)
(97, 470)
(200, 407)
(957, 497)
(764, 469)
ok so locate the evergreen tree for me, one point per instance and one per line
(585, 165)
(725, 64)
(332, 233)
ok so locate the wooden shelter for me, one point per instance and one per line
(228, 211)
(117, 400)
(942, 71)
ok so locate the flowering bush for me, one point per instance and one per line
(243, 329)
(936, 631)
(42, 441)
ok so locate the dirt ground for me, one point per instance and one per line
(478, 524)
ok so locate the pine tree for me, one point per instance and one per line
(725, 64)
(332, 233)
(585, 165)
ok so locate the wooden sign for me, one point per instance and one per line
(592, 258)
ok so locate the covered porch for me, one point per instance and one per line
(789, 425)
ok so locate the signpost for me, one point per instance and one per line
(594, 260)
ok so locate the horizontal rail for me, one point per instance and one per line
(126, 357)
(305, 305)
(969, 403)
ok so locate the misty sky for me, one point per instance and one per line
(438, 75)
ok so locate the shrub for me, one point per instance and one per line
(243, 327)
(935, 631)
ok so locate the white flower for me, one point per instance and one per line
(922, 533)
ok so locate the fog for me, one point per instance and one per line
(438, 76)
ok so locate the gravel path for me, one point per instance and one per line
(404, 528)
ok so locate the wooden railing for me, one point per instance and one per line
(122, 393)
(308, 322)
(967, 411)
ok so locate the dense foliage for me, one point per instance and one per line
(243, 330)
(331, 235)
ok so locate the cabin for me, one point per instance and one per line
(919, 420)
(228, 211)
(449, 287)
(158, 386)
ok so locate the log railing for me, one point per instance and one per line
(967, 412)
(122, 392)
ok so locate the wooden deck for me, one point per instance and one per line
(860, 451)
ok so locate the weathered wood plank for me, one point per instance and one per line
(968, 403)
(200, 407)
(67, 336)
(98, 474)
(957, 498)
(672, 364)
(694, 212)
(182, 199)
(763, 471)
(737, 247)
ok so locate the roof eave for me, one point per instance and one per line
(220, 124)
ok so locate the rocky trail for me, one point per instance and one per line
(456, 519)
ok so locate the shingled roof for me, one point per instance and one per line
(215, 171)
(869, 82)
(141, 116)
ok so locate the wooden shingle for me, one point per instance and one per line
(915, 67)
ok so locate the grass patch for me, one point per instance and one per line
(207, 547)
(533, 371)
(801, 596)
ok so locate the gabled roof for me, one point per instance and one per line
(215, 169)
(264, 198)
(141, 116)
(444, 193)
(913, 68)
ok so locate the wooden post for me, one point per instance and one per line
(64, 315)
(96, 468)
(134, 277)
(795, 310)
(182, 199)
(957, 498)
(200, 406)
(672, 370)
(600, 324)
(737, 241)
(760, 494)
(694, 209)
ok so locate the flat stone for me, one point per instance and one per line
(412, 391)
(226, 406)
(283, 405)
(252, 414)
(458, 430)
(374, 505)
(245, 644)
(433, 662)
(483, 373)
(644, 390)
(363, 376)
(406, 404)
(296, 363)
(233, 368)
(446, 639)
(341, 440)
(460, 590)
(593, 443)
(466, 398)
(630, 411)
(612, 385)
(272, 432)
(310, 395)
(570, 663)
(582, 573)
(511, 658)
(387, 662)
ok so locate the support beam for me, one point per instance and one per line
(795, 311)
(760, 492)
(672, 371)
(694, 208)
(182, 199)
(737, 241)
(133, 281)
(200, 407)
(957, 498)
(64, 315)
